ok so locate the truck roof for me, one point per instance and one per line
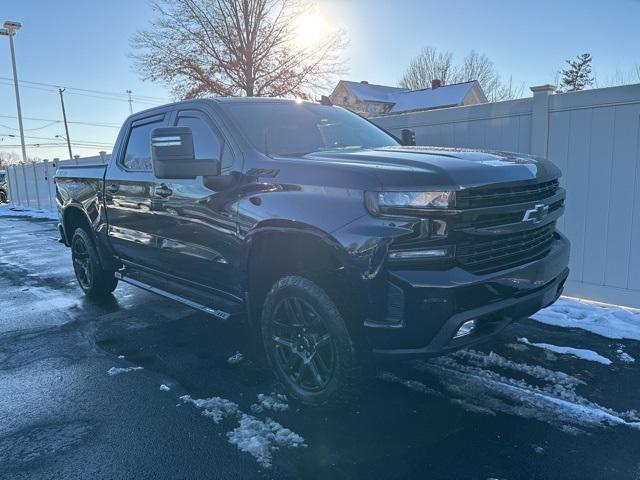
(220, 100)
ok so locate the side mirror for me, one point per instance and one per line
(408, 137)
(173, 157)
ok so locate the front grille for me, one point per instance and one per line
(497, 219)
(495, 196)
(479, 255)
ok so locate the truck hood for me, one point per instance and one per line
(451, 168)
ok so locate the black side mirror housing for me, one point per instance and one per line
(173, 157)
(408, 137)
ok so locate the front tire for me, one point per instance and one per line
(308, 345)
(95, 281)
(3, 197)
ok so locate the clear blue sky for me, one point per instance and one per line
(85, 44)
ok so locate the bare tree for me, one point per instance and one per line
(431, 64)
(8, 158)
(620, 77)
(235, 48)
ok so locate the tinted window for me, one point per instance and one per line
(1, 177)
(206, 143)
(138, 153)
(299, 128)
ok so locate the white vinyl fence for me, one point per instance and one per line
(31, 184)
(594, 137)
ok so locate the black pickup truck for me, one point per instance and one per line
(335, 243)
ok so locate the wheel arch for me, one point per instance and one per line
(278, 248)
(73, 217)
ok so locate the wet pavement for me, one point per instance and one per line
(74, 405)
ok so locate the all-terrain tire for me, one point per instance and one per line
(3, 197)
(347, 373)
(94, 280)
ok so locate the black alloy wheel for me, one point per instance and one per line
(308, 344)
(304, 349)
(81, 262)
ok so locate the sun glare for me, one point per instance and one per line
(310, 28)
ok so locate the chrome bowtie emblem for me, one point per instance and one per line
(536, 214)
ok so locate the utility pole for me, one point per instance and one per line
(130, 102)
(66, 127)
(10, 29)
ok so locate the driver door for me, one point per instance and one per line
(197, 227)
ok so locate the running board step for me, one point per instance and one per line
(222, 315)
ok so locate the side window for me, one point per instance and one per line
(137, 156)
(206, 143)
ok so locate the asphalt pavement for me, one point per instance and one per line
(139, 387)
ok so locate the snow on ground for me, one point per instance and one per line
(11, 211)
(118, 370)
(609, 322)
(624, 356)
(490, 384)
(260, 438)
(215, 408)
(276, 402)
(165, 388)
(575, 352)
(235, 358)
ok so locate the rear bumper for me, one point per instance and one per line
(436, 303)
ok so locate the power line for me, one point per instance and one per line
(91, 124)
(55, 139)
(86, 90)
(99, 97)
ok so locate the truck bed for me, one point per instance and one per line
(89, 172)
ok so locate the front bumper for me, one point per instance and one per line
(436, 303)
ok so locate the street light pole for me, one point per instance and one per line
(66, 127)
(10, 29)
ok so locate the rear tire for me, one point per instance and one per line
(94, 280)
(3, 197)
(308, 345)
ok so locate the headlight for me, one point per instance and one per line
(383, 202)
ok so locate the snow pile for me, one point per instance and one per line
(257, 437)
(609, 322)
(215, 407)
(624, 356)
(235, 358)
(581, 353)
(8, 211)
(478, 382)
(118, 370)
(276, 402)
(165, 388)
(261, 438)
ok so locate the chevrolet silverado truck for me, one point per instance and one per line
(337, 245)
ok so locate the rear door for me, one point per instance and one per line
(197, 236)
(129, 183)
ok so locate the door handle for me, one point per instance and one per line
(163, 191)
(113, 188)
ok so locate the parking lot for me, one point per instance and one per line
(140, 387)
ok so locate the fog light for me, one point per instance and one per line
(418, 254)
(465, 329)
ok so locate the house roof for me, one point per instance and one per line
(444, 96)
(372, 93)
(404, 100)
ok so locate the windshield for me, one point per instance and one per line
(301, 128)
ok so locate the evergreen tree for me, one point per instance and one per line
(578, 75)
